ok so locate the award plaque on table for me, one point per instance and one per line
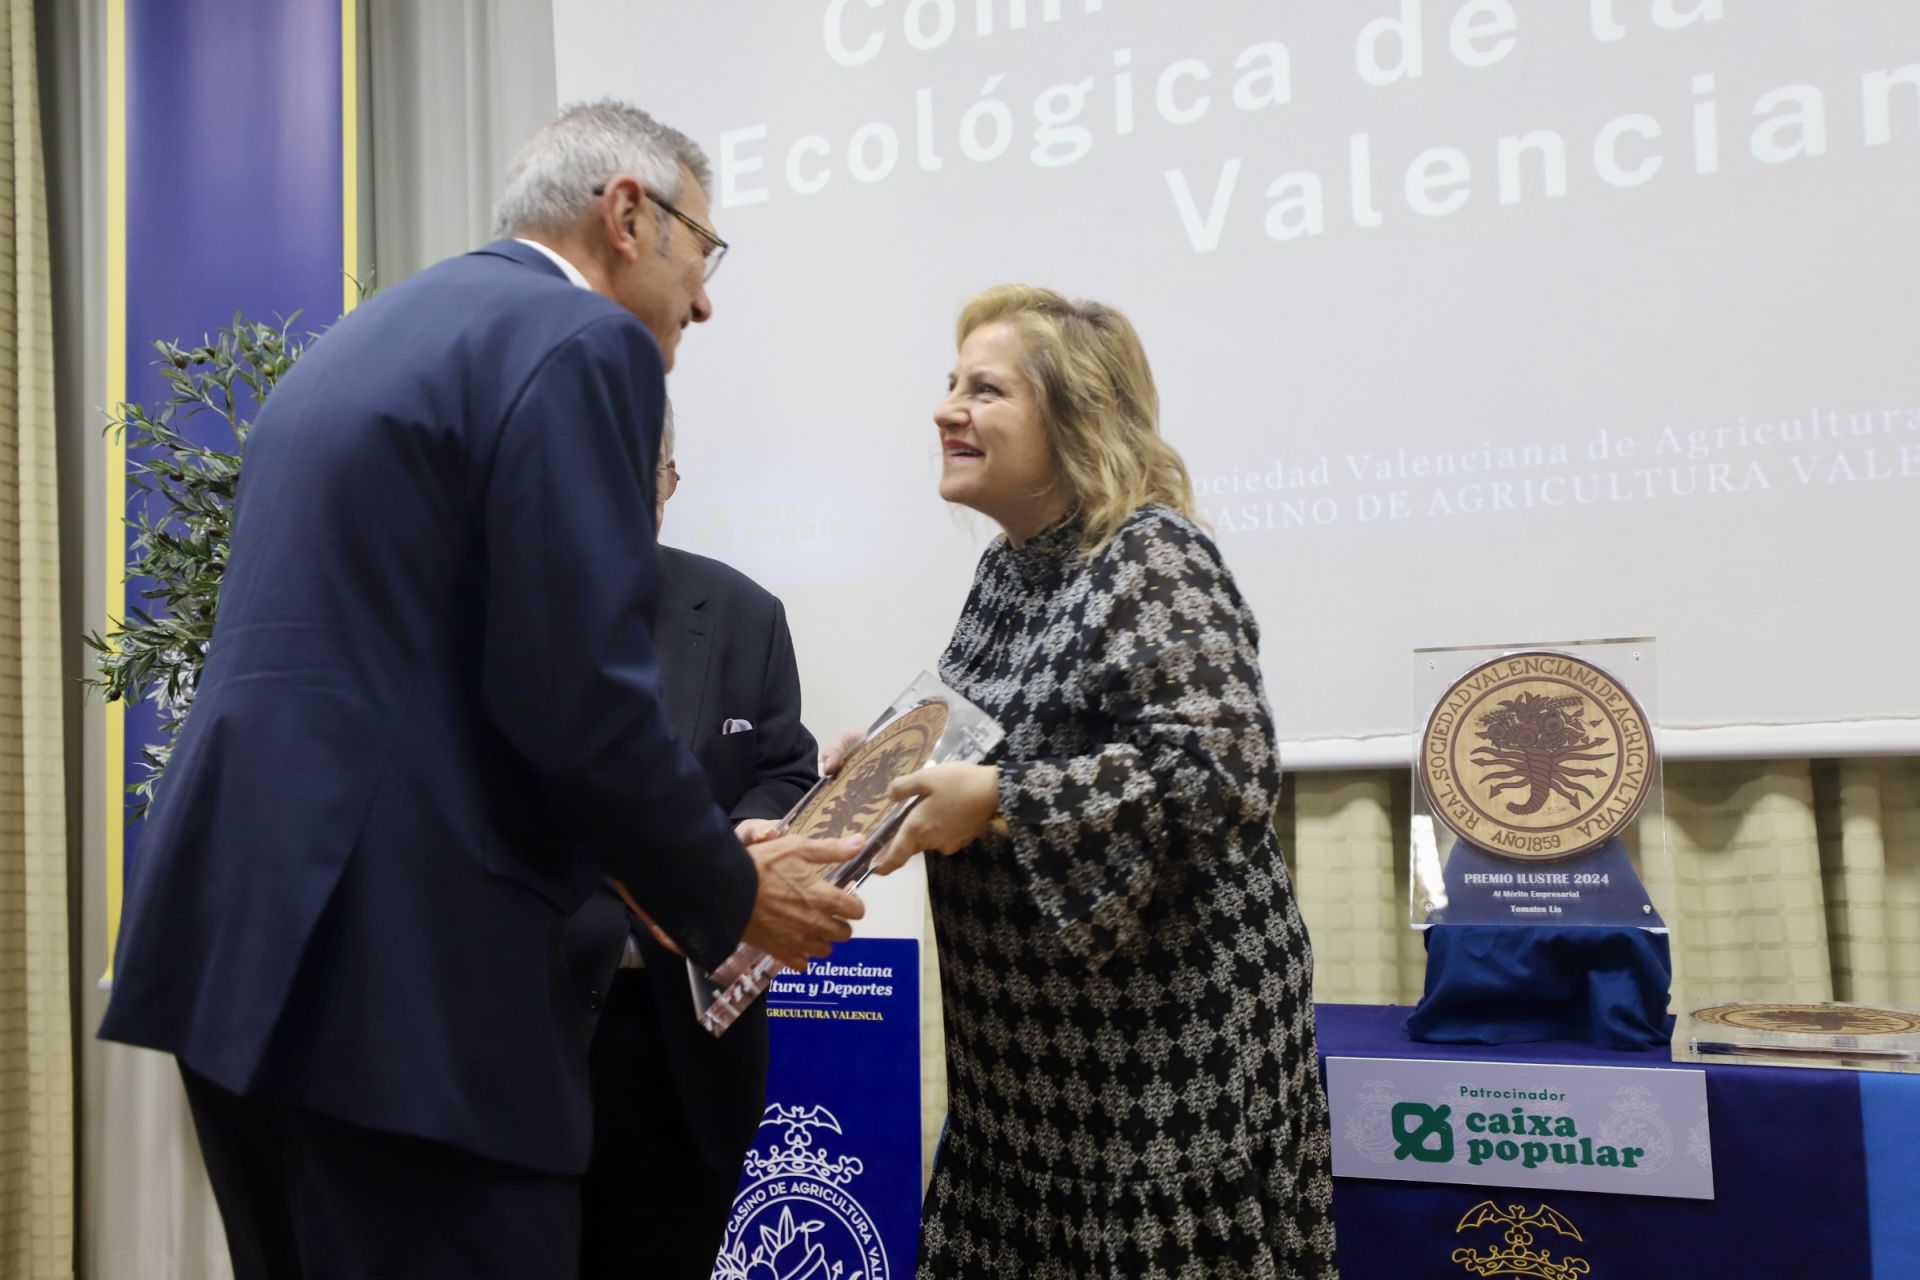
(1828, 1034)
(927, 724)
(1535, 770)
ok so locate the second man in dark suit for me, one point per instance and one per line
(675, 1108)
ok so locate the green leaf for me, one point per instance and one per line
(179, 549)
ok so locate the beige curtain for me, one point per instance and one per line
(36, 1061)
(1781, 880)
(454, 88)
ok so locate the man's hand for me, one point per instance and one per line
(796, 914)
(957, 804)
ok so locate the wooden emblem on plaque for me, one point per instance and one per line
(1536, 755)
(855, 798)
(1812, 1019)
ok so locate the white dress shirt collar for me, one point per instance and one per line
(567, 268)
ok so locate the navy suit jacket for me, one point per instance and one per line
(725, 654)
(429, 723)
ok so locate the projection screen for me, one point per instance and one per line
(1476, 322)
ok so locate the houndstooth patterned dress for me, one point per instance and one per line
(1133, 1086)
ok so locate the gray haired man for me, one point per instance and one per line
(431, 723)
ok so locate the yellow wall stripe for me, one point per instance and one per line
(350, 150)
(114, 736)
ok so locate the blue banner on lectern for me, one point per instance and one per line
(831, 1187)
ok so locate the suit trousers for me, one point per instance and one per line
(307, 1197)
(654, 1210)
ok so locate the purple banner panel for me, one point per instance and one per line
(234, 182)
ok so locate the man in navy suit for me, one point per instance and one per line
(674, 1108)
(430, 723)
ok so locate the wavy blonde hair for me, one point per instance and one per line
(1097, 402)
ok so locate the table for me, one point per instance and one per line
(1816, 1177)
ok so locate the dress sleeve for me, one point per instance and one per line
(1172, 659)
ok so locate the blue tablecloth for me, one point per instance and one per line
(1816, 1176)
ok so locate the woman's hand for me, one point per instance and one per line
(957, 807)
(752, 831)
(836, 755)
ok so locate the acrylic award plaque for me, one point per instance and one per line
(1535, 770)
(1828, 1034)
(927, 724)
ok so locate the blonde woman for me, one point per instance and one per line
(1130, 1049)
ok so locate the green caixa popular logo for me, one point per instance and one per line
(1531, 1139)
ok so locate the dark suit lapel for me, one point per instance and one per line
(682, 639)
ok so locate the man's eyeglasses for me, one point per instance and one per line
(716, 247)
(666, 480)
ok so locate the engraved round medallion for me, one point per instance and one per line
(1536, 754)
(1812, 1019)
(854, 799)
